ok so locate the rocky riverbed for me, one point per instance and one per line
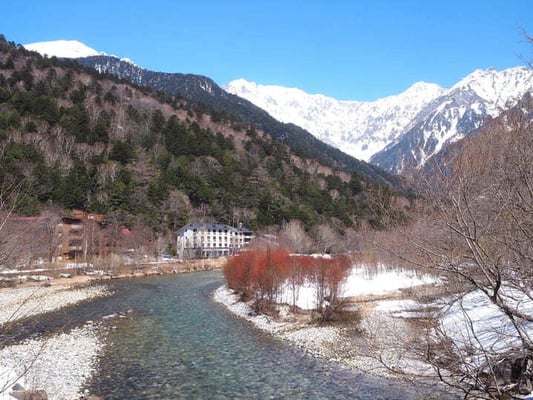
(57, 365)
(23, 302)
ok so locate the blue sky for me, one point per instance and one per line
(348, 49)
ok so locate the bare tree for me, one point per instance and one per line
(477, 231)
(51, 217)
(11, 241)
(10, 193)
(294, 237)
(326, 237)
(327, 276)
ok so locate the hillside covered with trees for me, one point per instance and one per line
(211, 98)
(72, 138)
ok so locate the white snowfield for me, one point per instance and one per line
(491, 329)
(360, 282)
(63, 49)
(472, 321)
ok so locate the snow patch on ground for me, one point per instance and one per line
(475, 322)
(328, 341)
(360, 282)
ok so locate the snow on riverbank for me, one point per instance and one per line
(360, 282)
(59, 365)
(383, 281)
(475, 322)
(330, 342)
(315, 340)
(225, 296)
(389, 322)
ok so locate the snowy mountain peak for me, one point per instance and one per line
(429, 90)
(496, 87)
(242, 85)
(63, 49)
(398, 131)
(358, 128)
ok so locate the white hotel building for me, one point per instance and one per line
(200, 240)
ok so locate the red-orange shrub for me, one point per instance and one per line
(328, 274)
(237, 271)
(262, 274)
(269, 273)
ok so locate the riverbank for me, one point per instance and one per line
(379, 337)
(78, 350)
(60, 364)
(56, 364)
(340, 343)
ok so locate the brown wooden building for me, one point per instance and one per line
(81, 236)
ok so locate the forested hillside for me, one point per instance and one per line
(70, 137)
(204, 91)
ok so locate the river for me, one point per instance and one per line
(176, 342)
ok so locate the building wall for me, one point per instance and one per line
(210, 240)
(81, 236)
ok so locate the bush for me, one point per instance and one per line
(261, 274)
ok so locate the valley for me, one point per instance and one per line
(392, 235)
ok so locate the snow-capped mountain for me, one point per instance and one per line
(361, 129)
(398, 131)
(63, 49)
(460, 111)
(68, 49)
(395, 132)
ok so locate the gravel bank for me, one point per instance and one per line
(24, 302)
(318, 341)
(331, 342)
(59, 364)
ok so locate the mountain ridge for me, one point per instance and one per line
(396, 132)
(400, 131)
(465, 108)
(322, 115)
(201, 89)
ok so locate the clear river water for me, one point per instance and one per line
(178, 343)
